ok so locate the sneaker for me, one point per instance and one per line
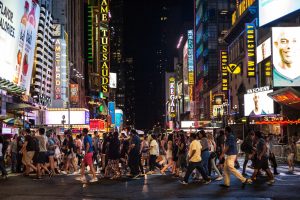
(51, 174)
(150, 173)
(207, 182)
(219, 178)
(63, 172)
(224, 186)
(271, 182)
(136, 177)
(183, 183)
(93, 180)
(82, 179)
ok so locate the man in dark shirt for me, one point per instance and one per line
(231, 151)
(134, 157)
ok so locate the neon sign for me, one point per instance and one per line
(172, 111)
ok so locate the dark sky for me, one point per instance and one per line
(141, 41)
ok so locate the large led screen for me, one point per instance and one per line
(77, 117)
(263, 50)
(270, 10)
(258, 103)
(286, 56)
(19, 21)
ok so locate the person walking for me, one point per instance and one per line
(133, 157)
(194, 158)
(261, 158)
(144, 151)
(272, 158)
(169, 155)
(205, 150)
(212, 157)
(28, 152)
(2, 165)
(42, 156)
(14, 153)
(248, 149)
(154, 153)
(112, 167)
(231, 151)
(291, 150)
(88, 157)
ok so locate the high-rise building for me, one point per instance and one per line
(42, 87)
(212, 20)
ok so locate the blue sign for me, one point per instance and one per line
(111, 111)
(87, 117)
(119, 119)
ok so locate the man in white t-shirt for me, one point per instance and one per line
(154, 152)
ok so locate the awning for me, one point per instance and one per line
(287, 96)
(10, 87)
(21, 106)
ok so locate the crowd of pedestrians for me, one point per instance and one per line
(198, 155)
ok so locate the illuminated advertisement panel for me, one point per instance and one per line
(60, 64)
(263, 50)
(251, 50)
(19, 21)
(270, 10)
(172, 93)
(217, 106)
(185, 78)
(257, 102)
(286, 47)
(287, 96)
(104, 46)
(224, 63)
(241, 8)
(77, 117)
(111, 111)
(74, 94)
(113, 80)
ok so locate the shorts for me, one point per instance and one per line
(27, 157)
(41, 158)
(291, 157)
(88, 159)
(261, 164)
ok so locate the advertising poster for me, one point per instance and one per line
(270, 10)
(263, 50)
(18, 32)
(113, 80)
(258, 103)
(111, 111)
(185, 78)
(251, 50)
(286, 62)
(74, 96)
(218, 111)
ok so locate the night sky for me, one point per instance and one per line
(141, 41)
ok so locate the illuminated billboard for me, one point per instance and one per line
(224, 63)
(257, 102)
(263, 50)
(251, 50)
(172, 93)
(113, 80)
(270, 10)
(19, 21)
(60, 70)
(287, 96)
(77, 117)
(286, 47)
(74, 94)
(104, 46)
(185, 78)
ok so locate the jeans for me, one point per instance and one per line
(19, 163)
(205, 158)
(133, 162)
(273, 161)
(190, 169)
(152, 162)
(2, 166)
(13, 162)
(229, 167)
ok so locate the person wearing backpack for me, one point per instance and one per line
(247, 148)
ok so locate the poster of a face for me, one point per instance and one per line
(286, 52)
(258, 104)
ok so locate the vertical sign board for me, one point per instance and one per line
(224, 63)
(74, 95)
(111, 110)
(104, 46)
(251, 49)
(60, 70)
(191, 63)
(172, 108)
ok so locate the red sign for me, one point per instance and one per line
(97, 124)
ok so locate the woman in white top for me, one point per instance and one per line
(169, 155)
(212, 149)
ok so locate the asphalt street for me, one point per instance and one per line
(287, 186)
